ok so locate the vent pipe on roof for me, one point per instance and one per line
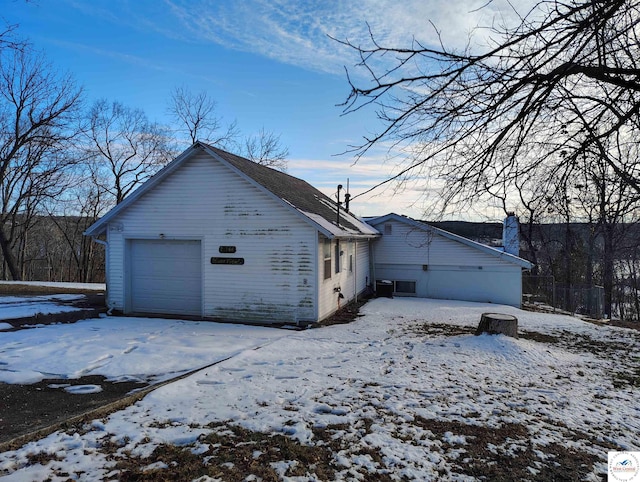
(347, 198)
(338, 205)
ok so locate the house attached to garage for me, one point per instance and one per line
(424, 261)
(216, 236)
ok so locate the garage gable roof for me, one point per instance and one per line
(297, 195)
(510, 258)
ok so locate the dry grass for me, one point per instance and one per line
(235, 454)
(24, 290)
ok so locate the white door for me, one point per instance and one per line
(165, 276)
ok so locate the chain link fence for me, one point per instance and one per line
(583, 300)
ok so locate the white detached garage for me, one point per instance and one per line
(424, 261)
(216, 236)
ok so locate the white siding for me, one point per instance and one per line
(351, 280)
(364, 266)
(115, 267)
(416, 246)
(444, 268)
(205, 200)
(488, 285)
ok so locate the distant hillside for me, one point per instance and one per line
(491, 233)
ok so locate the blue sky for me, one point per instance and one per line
(268, 64)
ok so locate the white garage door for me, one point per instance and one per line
(165, 277)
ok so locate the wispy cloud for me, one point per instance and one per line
(411, 197)
(298, 33)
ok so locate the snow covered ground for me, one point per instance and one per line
(131, 349)
(406, 392)
(13, 307)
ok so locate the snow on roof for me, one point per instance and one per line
(338, 231)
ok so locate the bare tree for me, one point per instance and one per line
(196, 116)
(37, 118)
(562, 83)
(617, 209)
(265, 148)
(123, 148)
(69, 216)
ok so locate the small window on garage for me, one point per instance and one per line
(405, 287)
(338, 253)
(388, 228)
(326, 253)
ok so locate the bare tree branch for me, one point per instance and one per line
(566, 79)
(265, 149)
(123, 147)
(196, 116)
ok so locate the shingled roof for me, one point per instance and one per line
(298, 195)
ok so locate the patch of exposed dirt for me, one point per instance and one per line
(17, 289)
(632, 325)
(440, 329)
(28, 408)
(346, 314)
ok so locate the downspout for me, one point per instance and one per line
(372, 265)
(317, 282)
(355, 269)
(99, 241)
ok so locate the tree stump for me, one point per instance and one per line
(498, 323)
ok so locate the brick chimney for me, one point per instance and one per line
(511, 235)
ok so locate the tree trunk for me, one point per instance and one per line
(9, 258)
(498, 323)
(607, 270)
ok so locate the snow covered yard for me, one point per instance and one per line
(27, 299)
(405, 392)
(119, 348)
(13, 307)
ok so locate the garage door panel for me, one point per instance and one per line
(165, 277)
(165, 268)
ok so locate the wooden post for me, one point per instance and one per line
(498, 323)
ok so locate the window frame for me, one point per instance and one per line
(326, 256)
(395, 287)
